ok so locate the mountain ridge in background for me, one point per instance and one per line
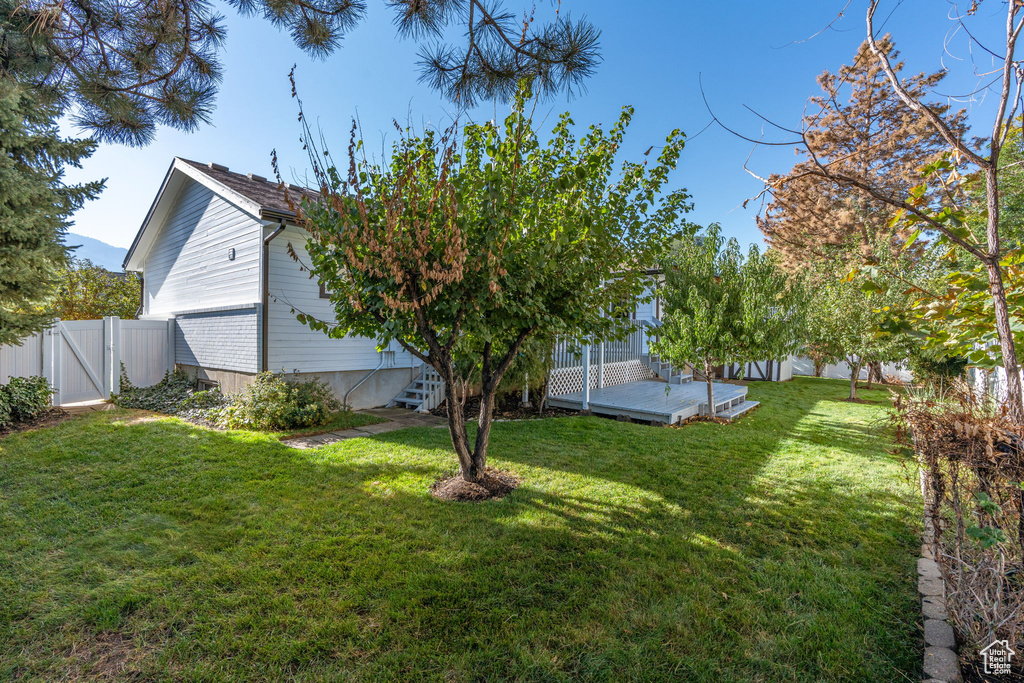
(100, 253)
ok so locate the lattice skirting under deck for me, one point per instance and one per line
(569, 380)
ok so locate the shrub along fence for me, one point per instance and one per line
(971, 458)
(82, 359)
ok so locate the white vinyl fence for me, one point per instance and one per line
(82, 358)
(802, 365)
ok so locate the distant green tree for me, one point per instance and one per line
(35, 205)
(843, 324)
(724, 307)
(86, 291)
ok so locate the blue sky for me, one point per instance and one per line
(762, 54)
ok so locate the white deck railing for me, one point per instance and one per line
(601, 364)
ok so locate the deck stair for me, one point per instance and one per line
(724, 402)
(424, 393)
(736, 409)
(666, 371)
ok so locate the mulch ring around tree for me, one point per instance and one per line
(507, 407)
(47, 418)
(494, 484)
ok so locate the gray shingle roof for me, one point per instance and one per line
(267, 193)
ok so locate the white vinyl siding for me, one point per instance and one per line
(293, 346)
(188, 265)
(646, 310)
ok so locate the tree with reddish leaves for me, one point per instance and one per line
(462, 248)
(858, 127)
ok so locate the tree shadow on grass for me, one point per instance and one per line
(254, 561)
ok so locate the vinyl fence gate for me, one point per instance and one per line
(82, 359)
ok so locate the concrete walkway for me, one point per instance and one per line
(397, 418)
(87, 407)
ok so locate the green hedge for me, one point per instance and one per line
(22, 399)
(272, 403)
(268, 403)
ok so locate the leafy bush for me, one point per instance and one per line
(23, 398)
(5, 411)
(202, 405)
(273, 403)
(163, 397)
(936, 368)
(269, 403)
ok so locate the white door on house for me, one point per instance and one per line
(80, 350)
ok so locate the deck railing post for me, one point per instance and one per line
(586, 377)
(600, 364)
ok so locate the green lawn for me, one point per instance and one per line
(339, 422)
(779, 548)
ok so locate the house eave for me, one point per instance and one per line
(133, 259)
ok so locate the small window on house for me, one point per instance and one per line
(207, 384)
(324, 294)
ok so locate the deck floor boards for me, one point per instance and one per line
(649, 400)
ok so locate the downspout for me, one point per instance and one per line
(345, 404)
(264, 312)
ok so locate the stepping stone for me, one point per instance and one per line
(379, 428)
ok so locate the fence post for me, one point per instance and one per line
(112, 337)
(600, 364)
(46, 362)
(56, 350)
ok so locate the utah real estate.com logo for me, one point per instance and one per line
(996, 657)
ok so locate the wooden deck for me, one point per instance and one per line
(648, 400)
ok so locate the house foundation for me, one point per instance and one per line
(380, 388)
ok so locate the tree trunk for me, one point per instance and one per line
(871, 372)
(709, 375)
(460, 437)
(483, 432)
(1014, 395)
(456, 405)
(473, 461)
(854, 374)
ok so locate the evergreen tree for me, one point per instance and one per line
(123, 68)
(859, 128)
(35, 206)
